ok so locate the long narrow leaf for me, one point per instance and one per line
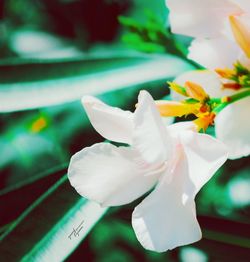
(27, 85)
(15, 199)
(42, 232)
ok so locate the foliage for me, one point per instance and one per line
(42, 124)
(151, 36)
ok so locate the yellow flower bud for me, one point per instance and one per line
(177, 88)
(38, 125)
(225, 73)
(173, 108)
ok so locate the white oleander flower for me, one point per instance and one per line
(231, 125)
(173, 161)
(221, 29)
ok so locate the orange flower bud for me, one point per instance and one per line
(241, 33)
(225, 99)
(233, 86)
(204, 120)
(196, 91)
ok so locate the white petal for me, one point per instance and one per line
(108, 175)
(244, 61)
(167, 121)
(209, 80)
(150, 138)
(232, 126)
(205, 155)
(111, 122)
(200, 18)
(244, 5)
(164, 220)
(214, 53)
(176, 129)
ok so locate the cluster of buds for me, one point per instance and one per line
(236, 78)
(197, 103)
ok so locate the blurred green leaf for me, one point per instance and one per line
(134, 39)
(225, 230)
(227, 193)
(30, 70)
(15, 199)
(43, 232)
(224, 239)
(151, 36)
(26, 84)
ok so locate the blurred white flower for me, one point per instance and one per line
(221, 29)
(193, 254)
(174, 162)
(231, 125)
(238, 190)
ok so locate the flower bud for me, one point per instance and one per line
(173, 108)
(204, 120)
(241, 33)
(195, 91)
(177, 88)
(225, 73)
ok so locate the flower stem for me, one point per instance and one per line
(229, 100)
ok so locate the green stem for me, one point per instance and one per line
(216, 100)
(230, 99)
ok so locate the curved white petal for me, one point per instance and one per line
(205, 155)
(108, 175)
(200, 18)
(111, 122)
(150, 137)
(176, 129)
(214, 53)
(232, 126)
(165, 219)
(167, 121)
(209, 80)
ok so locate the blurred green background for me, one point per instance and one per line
(52, 53)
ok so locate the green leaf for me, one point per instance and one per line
(27, 84)
(225, 230)
(224, 239)
(15, 199)
(44, 230)
(129, 22)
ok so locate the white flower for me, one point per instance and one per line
(231, 125)
(204, 19)
(217, 53)
(222, 31)
(218, 27)
(174, 162)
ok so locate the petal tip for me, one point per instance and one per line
(88, 100)
(143, 94)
